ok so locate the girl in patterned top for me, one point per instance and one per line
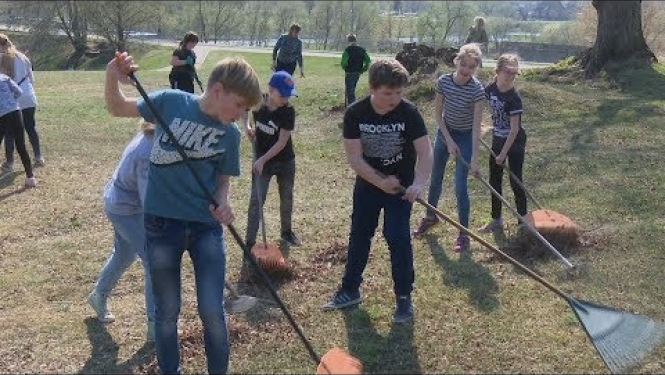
(508, 136)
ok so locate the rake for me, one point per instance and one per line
(622, 339)
(336, 360)
(526, 223)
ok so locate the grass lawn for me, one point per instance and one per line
(594, 153)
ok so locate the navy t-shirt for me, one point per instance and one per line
(387, 140)
(503, 105)
(268, 125)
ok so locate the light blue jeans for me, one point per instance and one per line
(464, 141)
(166, 241)
(128, 242)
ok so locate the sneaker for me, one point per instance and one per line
(343, 299)
(39, 162)
(31, 182)
(403, 309)
(7, 167)
(493, 226)
(291, 238)
(462, 243)
(98, 303)
(150, 335)
(425, 224)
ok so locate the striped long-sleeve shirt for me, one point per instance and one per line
(288, 49)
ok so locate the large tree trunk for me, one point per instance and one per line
(619, 38)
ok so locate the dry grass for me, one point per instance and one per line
(593, 154)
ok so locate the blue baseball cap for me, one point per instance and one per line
(284, 83)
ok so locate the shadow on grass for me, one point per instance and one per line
(466, 273)
(6, 180)
(395, 353)
(104, 354)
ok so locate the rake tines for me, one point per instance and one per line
(621, 338)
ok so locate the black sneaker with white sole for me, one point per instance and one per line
(291, 238)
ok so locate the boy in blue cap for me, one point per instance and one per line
(274, 156)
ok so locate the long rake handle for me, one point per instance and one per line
(493, 248)
(513, 176)
(232, 229)
(262, 218)
(533, 230)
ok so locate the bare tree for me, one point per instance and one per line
(436, 23)
(114, 20)
(619, 37)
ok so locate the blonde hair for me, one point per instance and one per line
(147, 127)
(469, 50)
(479, 22)
(237, 76)
(504, 60)
(7, 57)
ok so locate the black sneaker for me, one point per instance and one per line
(403, 310)
(343, 299)
(291, 238)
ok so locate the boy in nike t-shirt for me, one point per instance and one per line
(178, 214)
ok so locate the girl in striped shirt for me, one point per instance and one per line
(459, 104)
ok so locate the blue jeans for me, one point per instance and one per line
(166, 241)
(368, 201)
(350, 82)
(128, 242)
(464, 141)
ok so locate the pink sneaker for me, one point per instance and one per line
(425, 224)
(462, 243)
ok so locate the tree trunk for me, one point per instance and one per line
(619, 38)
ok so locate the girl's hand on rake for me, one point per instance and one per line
(258, 165)
(473, 168)
(500, 159)
(223, 213)
(452, 148)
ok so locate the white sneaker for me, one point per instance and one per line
(98, 303)
(39, 162)
(31, 182)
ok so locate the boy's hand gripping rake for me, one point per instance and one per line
(622, 339)
(336, 360)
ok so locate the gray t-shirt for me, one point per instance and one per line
(124, 194)
(459, 101)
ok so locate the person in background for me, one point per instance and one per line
(24, 77)
(478, 34)
(183, 59)
(355, 61)
(287, 52)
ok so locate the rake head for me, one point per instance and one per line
(338, 361)
(270, 258)
(622, 339)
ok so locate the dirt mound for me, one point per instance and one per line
(425, 59)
